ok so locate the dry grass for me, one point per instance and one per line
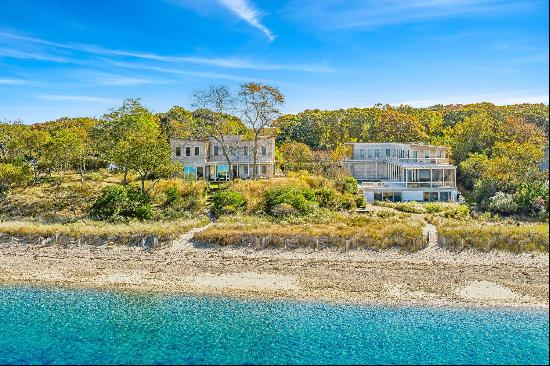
(333, 230)
(512, 237)
(101, 229)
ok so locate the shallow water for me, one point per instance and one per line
(61, 326)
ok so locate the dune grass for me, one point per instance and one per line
(331, 230)
(511, 237)
(102, 229)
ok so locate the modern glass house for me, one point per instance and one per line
(402, 171)
(206, 160)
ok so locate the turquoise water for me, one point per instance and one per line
(59, 326)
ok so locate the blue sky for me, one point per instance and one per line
(72, 58)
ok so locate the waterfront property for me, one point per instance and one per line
(206, 160)
(402, 171)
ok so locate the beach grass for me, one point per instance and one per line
(335, 229)
(102, 229)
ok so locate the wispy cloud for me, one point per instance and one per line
(95, 50)
(374, 13)
(245, 10)
(77, 98)
(13, 82)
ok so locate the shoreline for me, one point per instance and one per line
(433, 277)
(314, 301)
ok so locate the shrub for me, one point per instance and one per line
(350, 185)
(13, 175)
(172, 196)
(503, 203)
(228, 202)
(303, 200)
(327, 198)
(116, 202)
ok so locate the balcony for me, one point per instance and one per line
(404, 185)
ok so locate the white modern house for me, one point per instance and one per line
(402, 171)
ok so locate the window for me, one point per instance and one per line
(426, 154)
(190, 172)
(245, 170)
(377, 196)
(444, 196)
(197, 150)
(264, 150)
(216, 150)
(387, 196)
(263, 169)
(377, 153)
(397, 197)
(430, 196)
(245, 153)
(223, 171)
(188, 151)
(370, 153)
(178, 151)
(362, 154)
(424, 175)
(388, 152)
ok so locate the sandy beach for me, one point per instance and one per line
(432, 277)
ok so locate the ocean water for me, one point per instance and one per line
(59, 326)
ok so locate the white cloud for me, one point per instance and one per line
(77, 98)
(375, 13)
(50, 52)
(246, 11)
(13, 82)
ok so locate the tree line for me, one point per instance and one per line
(497, 149)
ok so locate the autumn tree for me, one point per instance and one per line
(259, 107)
(211, 119)
(395, 126)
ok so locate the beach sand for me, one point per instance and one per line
(431, 277)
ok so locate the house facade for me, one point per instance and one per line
(402, 171)
(206, 160)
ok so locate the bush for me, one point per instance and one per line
(14, 175)
(327, 198)
(350, 186)
(503, 203)
(227, 202)
(116, 202)
(303, 200)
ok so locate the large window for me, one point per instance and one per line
(444, 196)
(190, 172)
(424, 175)
(222, 171)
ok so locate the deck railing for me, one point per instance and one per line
(399, 184)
